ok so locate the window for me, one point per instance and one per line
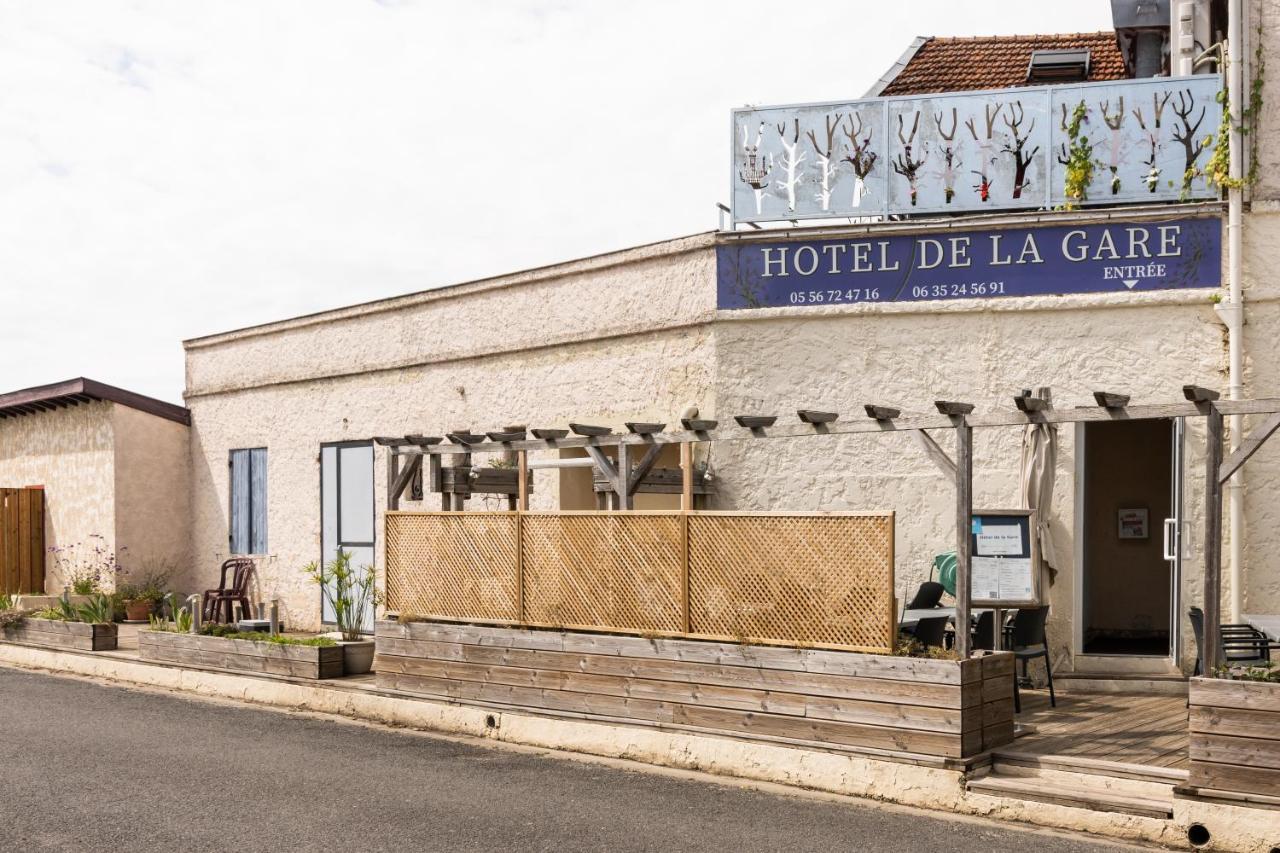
(1058, 66)
(248, 469)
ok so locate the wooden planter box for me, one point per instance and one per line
(57, 634)
(242, 655)
(1235, 736)
(808, 697)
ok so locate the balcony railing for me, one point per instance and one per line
(975, 151)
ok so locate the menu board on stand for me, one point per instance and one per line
(1005, 566)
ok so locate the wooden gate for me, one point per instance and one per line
(21, 540)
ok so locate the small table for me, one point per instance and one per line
(1267, 623)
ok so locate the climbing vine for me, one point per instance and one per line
(1217, 170)
(1079, 159)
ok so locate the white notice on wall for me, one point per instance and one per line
(1015, 579)
(984, 574)
(999, 540)
(1001, 579)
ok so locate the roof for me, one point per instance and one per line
(73, 392)
(966, 64)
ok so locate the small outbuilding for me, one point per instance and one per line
(95, 469)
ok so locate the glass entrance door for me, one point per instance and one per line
(1175, 536)
(346, 509)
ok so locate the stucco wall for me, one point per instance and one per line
(640, 338)
(69, 452)
(152, 495)
(567, 357)
(980, 353)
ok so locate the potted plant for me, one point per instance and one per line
(351, 593)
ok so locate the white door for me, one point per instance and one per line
(1175, 536)
(346, 509)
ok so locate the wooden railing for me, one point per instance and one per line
(822, 580)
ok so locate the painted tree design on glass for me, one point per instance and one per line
(1021, 158)
(986, 149)
(950, 156)
(755, 171)
(904, 164)
(1116, 147)
(1152, 176)
(791, 160)
(826, 168)
(1186, 135)
(860, 156)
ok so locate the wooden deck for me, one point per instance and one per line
(1131, 729)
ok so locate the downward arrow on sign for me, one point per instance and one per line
(1129, 282)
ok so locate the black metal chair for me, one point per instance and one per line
(1237, 642)
(1029, 641)
(931, 631)
(928, 596)
(984, 635)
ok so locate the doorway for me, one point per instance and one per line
(1131, 498)
(346, 510)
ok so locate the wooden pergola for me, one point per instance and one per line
(638, 448)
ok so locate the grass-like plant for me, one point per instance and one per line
(350, 591)
(99, 610)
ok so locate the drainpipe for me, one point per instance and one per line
(1232, 312)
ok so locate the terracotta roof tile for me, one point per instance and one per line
(997, 62)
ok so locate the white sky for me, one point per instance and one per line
(173, 168)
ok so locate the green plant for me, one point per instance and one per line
(6, 601)
(1217, 170)
(910, 647)
(182, 617)
(87, 566)
(1079, 162)
(12, 616)
(99, 610)
(229, 632)
(1268, 672)
(351, 592)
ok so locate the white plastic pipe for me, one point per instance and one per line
(1235, 313)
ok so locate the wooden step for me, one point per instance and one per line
(1088, 766)
(1040, 790)
(1110, 682)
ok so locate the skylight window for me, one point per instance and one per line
(1058, 66)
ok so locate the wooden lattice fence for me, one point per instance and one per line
(819, 579)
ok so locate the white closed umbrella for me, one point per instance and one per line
(1038, 468)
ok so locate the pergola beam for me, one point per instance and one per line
(1248, 447)
(1010, 417)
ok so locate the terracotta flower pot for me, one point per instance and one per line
(136, 610)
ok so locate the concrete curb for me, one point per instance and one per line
(834, 773)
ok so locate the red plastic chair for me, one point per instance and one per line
(217, 605)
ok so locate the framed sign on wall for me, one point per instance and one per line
(1132, 523)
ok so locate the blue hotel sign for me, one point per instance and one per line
(1116, 257)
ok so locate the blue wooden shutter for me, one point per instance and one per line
(258, 499)
(240, 502)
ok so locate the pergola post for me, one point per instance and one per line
(393, 473)
(1212, 540)
(964, 532)
(622, 491)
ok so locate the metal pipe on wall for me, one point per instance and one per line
(1234, 313)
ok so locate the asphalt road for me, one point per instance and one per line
(90, 767)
